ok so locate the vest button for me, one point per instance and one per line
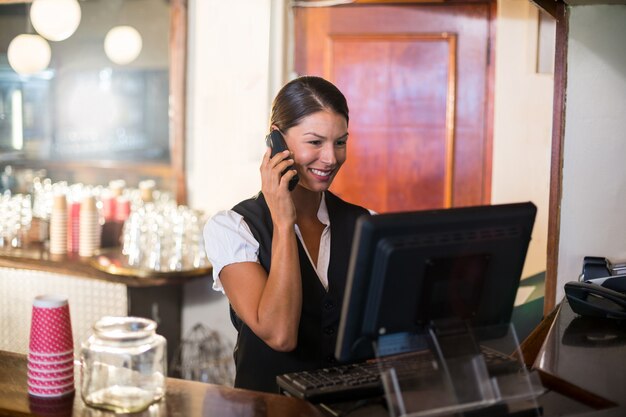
(328, 305)
(329, 331)
(331, 359)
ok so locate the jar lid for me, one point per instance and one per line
(124, 328)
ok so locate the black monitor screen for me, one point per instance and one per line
(408, 269)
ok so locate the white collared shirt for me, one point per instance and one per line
(228, 240)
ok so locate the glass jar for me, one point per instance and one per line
(124, 365)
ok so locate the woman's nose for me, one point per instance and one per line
(328, 155)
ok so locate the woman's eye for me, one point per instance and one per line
(341, 143)
(315, 142)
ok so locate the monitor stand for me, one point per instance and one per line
(449, 368)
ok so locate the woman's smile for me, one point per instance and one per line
(322, 175)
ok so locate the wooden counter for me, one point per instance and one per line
(194, 399)
(183, 399)
(588, 353)
(587, 364)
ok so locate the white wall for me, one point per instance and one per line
(233, 77)
(593, 215)
(228, 108)
(523, 123)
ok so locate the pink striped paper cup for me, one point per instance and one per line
(54, 367)
(56, 406)
(32, 374)
(51, 383)
(51, 327)
(51, 392)
(48, 358)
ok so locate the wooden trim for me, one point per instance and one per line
(489, 104)
(152, 169)
(303, 3)
(396, 1)
(531, 346)
(566, 388)
(178, 80)
(391, 2)
(548, 6)
(450, 120)
(556, 170)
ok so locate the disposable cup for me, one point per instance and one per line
(51, 327)
(51, 392)
(64, 363)
(51, 383)
(48, 358)
(51, 355)
(57, 406)
(54, 367)
(34, 374)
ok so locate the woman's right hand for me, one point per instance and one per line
(275, 187)
(270, 302)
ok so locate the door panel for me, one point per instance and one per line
(417, 86)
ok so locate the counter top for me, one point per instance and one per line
(36, 257)
(183, 399)
(589, 353)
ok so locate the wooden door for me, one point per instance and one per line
(418, 80)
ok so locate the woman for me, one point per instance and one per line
(282, 257)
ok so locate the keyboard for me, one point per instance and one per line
(362, 380)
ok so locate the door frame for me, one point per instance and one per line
(558, 10)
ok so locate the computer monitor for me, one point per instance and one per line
(409, 269)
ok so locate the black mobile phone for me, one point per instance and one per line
(276, 141)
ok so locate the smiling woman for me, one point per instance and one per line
(91, 116)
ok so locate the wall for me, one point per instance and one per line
(228, 108)
(233, 77)
(523, 123)
(593, 219)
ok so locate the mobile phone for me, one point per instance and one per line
(276, 141)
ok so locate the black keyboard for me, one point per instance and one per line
(362, 380)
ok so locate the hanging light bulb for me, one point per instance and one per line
(28, 54)
(55, 20)
(122, 44)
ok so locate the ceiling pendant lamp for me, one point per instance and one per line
(55, 20)
(122, 44)
(28, 54)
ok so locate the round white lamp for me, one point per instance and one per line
(55, 20)
(28, 54)
(122, 44)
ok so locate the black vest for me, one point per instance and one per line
(257, 364)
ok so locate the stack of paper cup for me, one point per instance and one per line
(117, 187)
(146, 188)
(58, 225)
(73, 228)
(52, 406)
(122, 209)
(108, 205)
(51, 348)
(89, 229)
